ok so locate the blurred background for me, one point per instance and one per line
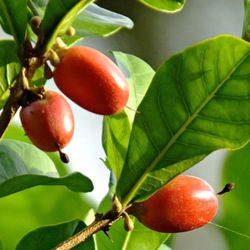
(154, 38)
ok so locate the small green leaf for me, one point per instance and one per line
(235, 204)
(9, 68)
(45, 238)
(22, 166)
(198, 102)
(97, 21)
(117, 128)
(168, 6)
(58, 16)
(13, 18)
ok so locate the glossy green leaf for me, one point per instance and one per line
(25, 211)
(117, 128)
(13, 18)
(235, 204)
(58, 16)
(97, 21)
(9, 68)
(22, 166)
(45, 238)
(168, 6)
(198, 102)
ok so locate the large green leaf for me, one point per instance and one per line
(22, 166)
(25, 211)
(97, 21)
(13, 18)
(45, 238)
(235, 216)
(117, 128)
(198, 102)
(9, 68)
(168, 6)
(58, 16)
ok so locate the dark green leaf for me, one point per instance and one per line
(25, 211)
(37, 7)
(198, 102)
(168, 6)
(13, 18)
(235, 204)
(117, 128)
(9, 68)
(58, 16)
(45, 238)
(97, 21)
(23, 166)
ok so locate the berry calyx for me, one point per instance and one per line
(184, 204)
(49, 122)
(92, 80)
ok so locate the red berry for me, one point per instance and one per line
(49, 123)
(184, 204)
(92, 80)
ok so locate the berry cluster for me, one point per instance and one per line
(88, 78)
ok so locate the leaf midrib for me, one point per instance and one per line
(172, 141)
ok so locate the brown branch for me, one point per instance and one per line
(16, 92)
(101, 223)
(12, 104)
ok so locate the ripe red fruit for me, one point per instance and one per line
(49, 123)
(184, 204)
(92, 80)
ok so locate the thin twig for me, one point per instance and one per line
(13, 103)
(100, 224)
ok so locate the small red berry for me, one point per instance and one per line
(49, 122)
(92, 80)
(184, 204)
